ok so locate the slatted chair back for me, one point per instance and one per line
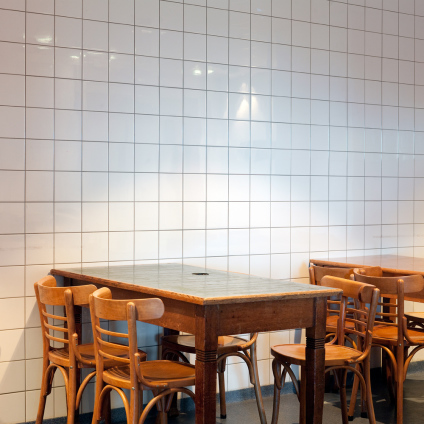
(361, 315)
(102, 306)
(317, 273)
(59, 328)
(393, 289)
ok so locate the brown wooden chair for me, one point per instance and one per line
(316, 274)
(163, 378)
(179, 345)
(61, 348)
(337, 356)
(392, 334)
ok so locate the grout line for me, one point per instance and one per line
(160, 142)
(182, 140)
(108, 134)
(82, 140)
(206, 141)
(135, 145)
(414, 150)
(398, 135)
(310, 141)
(25, 219)
(271, 232)
(250, 136)
(228, 146)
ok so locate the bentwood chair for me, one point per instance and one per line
(338, 357)
(316, 274)
(61, 348)
(392, 334)
(163, 378)
(179, 345)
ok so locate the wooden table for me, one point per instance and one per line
(209, 303)
(391, 264)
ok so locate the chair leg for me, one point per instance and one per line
(167, 354)
(71, 395)
(163, 413)
(44, 391)
(97, 404)
(162, 416)
(399, 384)
(221, 381)
(364, 407)
(343, 398)
(257, 385)
(352, 404)
(390, 380)
(276, 401)
(336, 386)
(370, 405)
(134, 405)
(354, 394)
(106, 410)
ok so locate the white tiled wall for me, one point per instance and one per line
(245, 135)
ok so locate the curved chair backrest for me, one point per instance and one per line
(316, 273)
(102, 306)
(360, 315)
(389, 284)
(48, 294)
(393, 287)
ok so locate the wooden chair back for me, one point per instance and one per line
(317, 273)
(393, 288)
(102, 306)
(48, 294)
(361, 315)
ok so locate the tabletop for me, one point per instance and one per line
(194, 284)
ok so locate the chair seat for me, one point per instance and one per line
(186, 343)
(61, 356)
(295, 354)
(164, 374)
(387, 334)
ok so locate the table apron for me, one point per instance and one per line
(269, 315)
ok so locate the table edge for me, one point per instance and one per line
(324, 292)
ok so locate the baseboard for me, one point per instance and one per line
(187, 404)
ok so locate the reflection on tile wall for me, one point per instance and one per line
(236, 134)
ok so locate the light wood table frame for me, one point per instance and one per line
(209, 303)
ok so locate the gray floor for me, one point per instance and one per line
(385, 413)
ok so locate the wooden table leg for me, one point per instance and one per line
(206, 364)
(315, 362)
